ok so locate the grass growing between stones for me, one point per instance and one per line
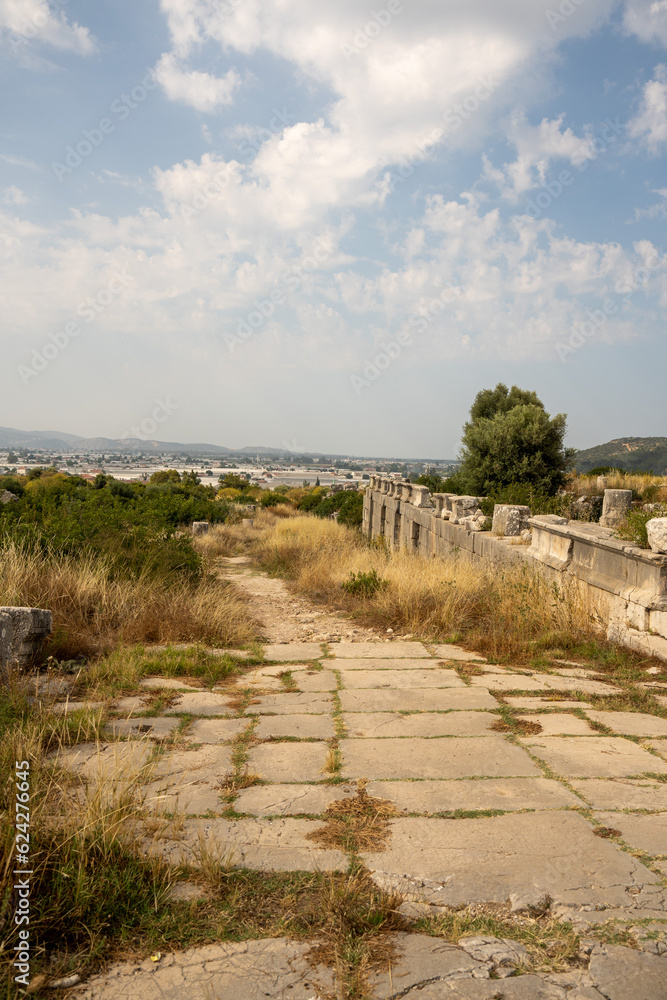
(356, 824)
(553, 946)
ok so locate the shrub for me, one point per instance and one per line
(634, 528)
(364, 584)
(271, 499)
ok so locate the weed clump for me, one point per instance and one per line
(364, 584)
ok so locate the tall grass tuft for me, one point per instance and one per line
(95, 610)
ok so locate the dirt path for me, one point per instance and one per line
(284, 617)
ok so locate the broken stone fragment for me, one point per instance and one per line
(656, 529)
(22, 632)
(615, 507)
(510, 519)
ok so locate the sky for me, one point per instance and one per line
(325, 226)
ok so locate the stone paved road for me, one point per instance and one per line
(400, 715)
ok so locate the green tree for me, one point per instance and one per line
(510, 438)
(232, 481)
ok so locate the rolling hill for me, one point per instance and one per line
(629, 453)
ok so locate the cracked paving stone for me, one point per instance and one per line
(190, 780)
(107, 760)
(286, 652)
(305, 680)
(418, 700)
(448, 652)
(647, 833)
(594, 756)
(286, 800)
(169, 684)
(378, 650)
(435, 678)
(289, 761)
(378, 663)
(248, 970)
(260, 844)
(446, 757)
(556, 706)
(517, 988)
(560, 724)
(623, 793)
(625, 974)
(631, 723)
(200, 703)
(314, 703)
(216, 730)
(155, 728)
(380, 724)
(457, 861)
(319, 727)
(418, 960)
(493, 793)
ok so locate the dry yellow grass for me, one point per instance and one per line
(652, 487)
(93, 612)
(235, 537)
(502, 612)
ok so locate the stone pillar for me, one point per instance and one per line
(406, 492)
(443, 504)
(602, 482)
(510, 519)
(463, 507)
(656, 529)
(385, 487)
(615, 507)
(22, 632)
(421, 496)
(200, 528)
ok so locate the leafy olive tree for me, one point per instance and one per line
(510, 438)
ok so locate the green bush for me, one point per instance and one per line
(510, 438)
(364, 584)
(634, 528)
(270, 499)
(349, 505)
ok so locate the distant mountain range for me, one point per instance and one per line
(58, 441)
(629, 453)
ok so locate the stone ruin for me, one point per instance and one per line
(200, 528)
(22, 633)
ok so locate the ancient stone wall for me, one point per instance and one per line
(626, 585)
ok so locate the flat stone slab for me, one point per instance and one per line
(156, 728)
(660, 746)
(529, 703)
(559, 723)
(381, 724)
(306, 680)
(623, 793)
(200, 703)
(290, 800)
(373, 663)
(647, 833)
(447, 757)
(449, 652)
(594, 756)
(381, 650)
(102, 761)
(492, 793)
(131, 705)
(169, 683)
(293, 652)
(516, 988)
(437, 678)
(68, 707)
(631, 723)
(216, 730)
(320, 727)
(542, 682)
(261, 844)
(626, 974)
(289, 761)
(457, 861)
(248, 970)
(190, 780)
(419, 700)
(293, 703)
(420, 958)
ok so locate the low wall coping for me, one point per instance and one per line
(599, 538)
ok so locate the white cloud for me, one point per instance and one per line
(201, 91)
(19, 161)
(649, 127)
(537, 146)
(24, 20)
(647, 19)
(14, 196)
